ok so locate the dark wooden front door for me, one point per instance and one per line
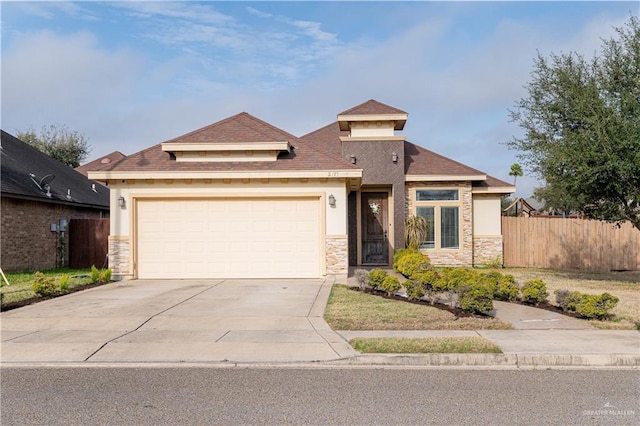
(375, 228)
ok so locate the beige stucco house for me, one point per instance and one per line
(241, 198)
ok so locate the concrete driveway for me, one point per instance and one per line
(177, 321)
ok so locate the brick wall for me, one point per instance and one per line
(26, 240)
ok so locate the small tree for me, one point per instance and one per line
(57, 141)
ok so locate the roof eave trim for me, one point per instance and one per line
(494, 190)
(226, 146)
(54, 201)
(115, 175)
(437, 178)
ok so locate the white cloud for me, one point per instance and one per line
(190, 11)
(49, 78)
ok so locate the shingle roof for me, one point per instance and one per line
(20, 161)
(99, 163)
(418, 160)
(421, 161)
(242, 127)
(372, 107)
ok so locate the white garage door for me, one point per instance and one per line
(229, 238)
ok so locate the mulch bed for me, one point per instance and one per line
(459, 313)
(35, 299)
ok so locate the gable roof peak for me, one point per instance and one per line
(241, 127)
(372, 107)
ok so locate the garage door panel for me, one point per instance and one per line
(229, 238)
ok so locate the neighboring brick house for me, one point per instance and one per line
(39, 195)
(241, 198)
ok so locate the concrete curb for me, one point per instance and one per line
(496, 360)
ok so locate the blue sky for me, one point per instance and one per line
(132, 74)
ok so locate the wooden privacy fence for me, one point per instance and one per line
(88, 242)
(556, 243)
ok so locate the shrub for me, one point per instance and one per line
(376, 277)
(399, 254)
(460, 276)
(64, 282)
(415, 290)
(568, 300)
(391, 284)
(534, 292)
(362, 276)
(43, 285)
(507, 289)
(594, 306)
(95, 274)
(412, 262)
(476, 297)
(105, 275)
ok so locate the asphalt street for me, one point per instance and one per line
(339, 396)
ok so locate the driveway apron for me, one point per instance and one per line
(177, 321)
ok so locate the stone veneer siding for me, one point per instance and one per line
(27, 242)
(337, 255)
(449, 257)
(120, 257)
(486, 249)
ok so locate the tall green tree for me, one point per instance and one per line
(57, 141)
(582, 128)
(516, 170)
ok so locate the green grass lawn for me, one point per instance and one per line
(439, 345)
(19, 287)
(354, 310)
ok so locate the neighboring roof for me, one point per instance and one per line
(239, 128)
(372, 107)
(24, 167)
(100, 162)
(536, 204)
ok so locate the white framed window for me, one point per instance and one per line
(441, 210)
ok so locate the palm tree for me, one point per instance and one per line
(516, 171)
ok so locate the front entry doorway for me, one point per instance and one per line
(375, 228)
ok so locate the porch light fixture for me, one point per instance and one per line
(394, 157)
(353, 159)
(122, 202)
(332, 200)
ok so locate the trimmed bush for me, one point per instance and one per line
(414, 289)
(43, 285)
(586, 305)
(568, 300)
(534, 292)
(376, 277)
(412, 262)
(594, 306)
(476, 297)
(507, 289)
(391, 284)
(399, 254)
